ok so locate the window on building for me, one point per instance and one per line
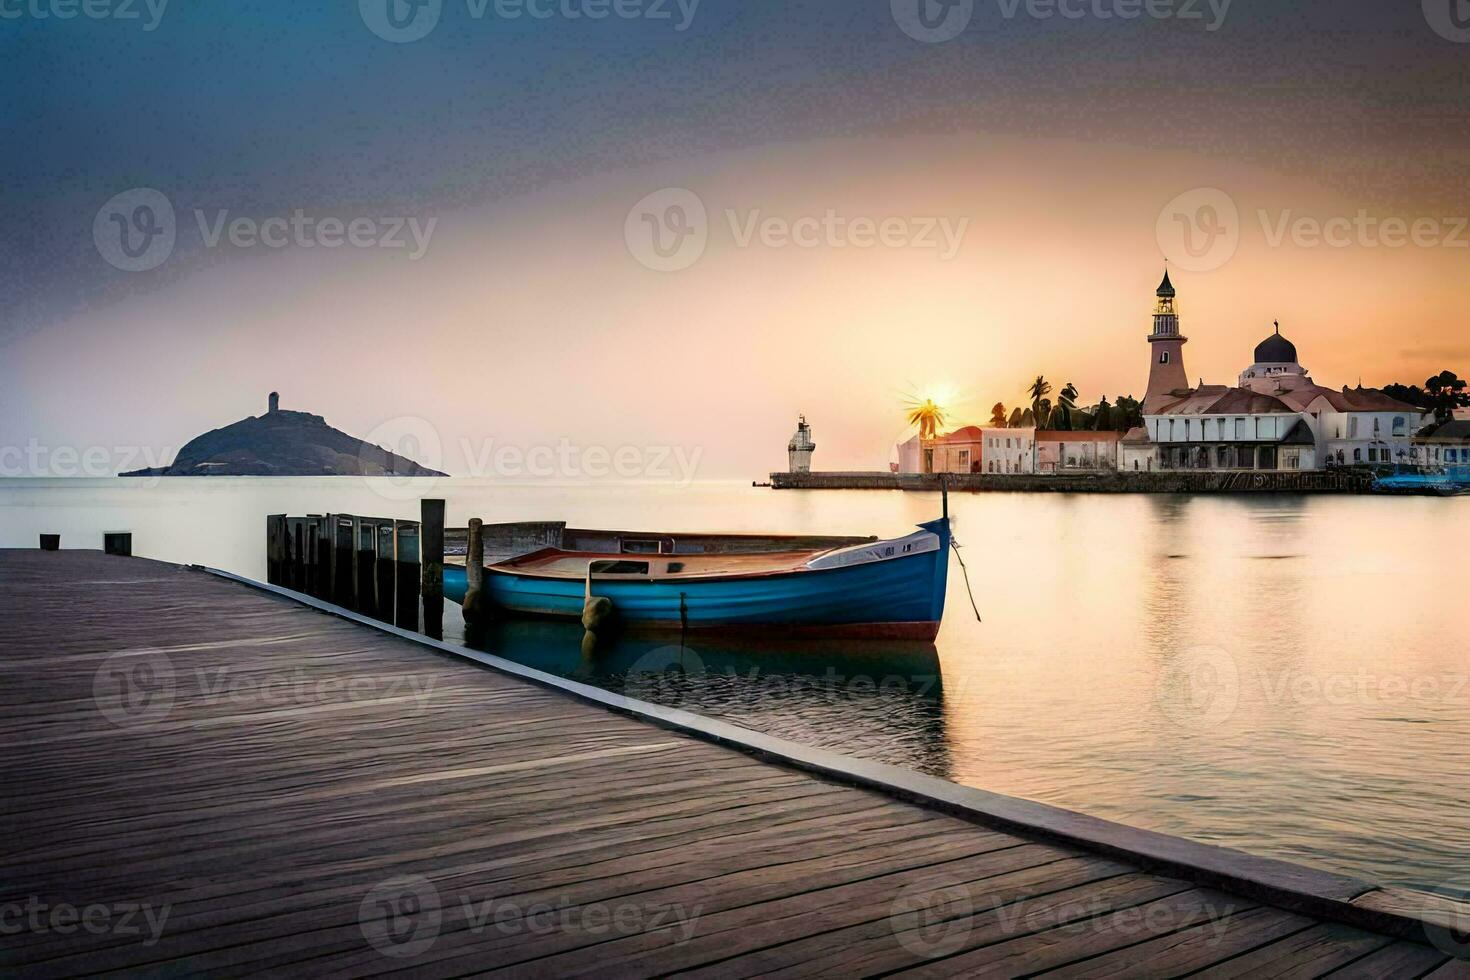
(1352, 427)
(1449, 456)
(964, 461)
(1240, 428)
(1357, 455)
(1399, 425)
(1163, 357)
(1223, 457)
(1376, 428)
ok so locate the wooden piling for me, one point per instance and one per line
(474, 569)
(431, 558)
(364, 556)
(384, 571)
(344, 544)
(275, 549)
(118, 543)
(322, 556)
(406, 574)
(295, 571)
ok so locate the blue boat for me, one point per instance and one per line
(879, 589)
(1452, 481)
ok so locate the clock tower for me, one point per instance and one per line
(1166, 349)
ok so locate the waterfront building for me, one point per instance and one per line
(1077, 452)
(970, 449)
(800, 448)
(1276, 418)
(1444, 445)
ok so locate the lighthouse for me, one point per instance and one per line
(1166, 345)
(799, 450)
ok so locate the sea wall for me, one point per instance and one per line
(1177, 482)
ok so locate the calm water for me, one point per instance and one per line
(1283, 675)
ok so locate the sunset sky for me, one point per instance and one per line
(1065, 150)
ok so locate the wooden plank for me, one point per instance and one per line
(1398, 959)
(267, 815)
(1306, 954)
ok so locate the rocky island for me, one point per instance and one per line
(284, 443)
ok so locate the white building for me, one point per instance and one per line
(800, 448)
(1277, 418)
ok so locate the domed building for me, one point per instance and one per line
(1276, 368)
(1275, 419)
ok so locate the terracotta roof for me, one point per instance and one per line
(1221, 400)
(1457, 431)
(969, 433)
(1075, 435)
(1136, 435)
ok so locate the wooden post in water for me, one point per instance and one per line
(308, 554)
(323, 557)
(364, 554)
(406, 574)
(431, 548)
(295, 557)
(275, 547)
(384, 571)
(474, 573)
(344, 580)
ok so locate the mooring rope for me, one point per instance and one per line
(968, 591)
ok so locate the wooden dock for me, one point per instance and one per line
(204, 778)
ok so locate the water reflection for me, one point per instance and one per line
(881, 700)
(1285, 675)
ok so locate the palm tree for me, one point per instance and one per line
(1018, 418)
(1067, 404)
(1040, 388)
(998, 416)
(927, 416)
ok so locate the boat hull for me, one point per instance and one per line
(897, 598)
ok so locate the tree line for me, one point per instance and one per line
(1064, 414)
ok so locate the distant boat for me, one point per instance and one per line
(1452, 481)
(877, 589)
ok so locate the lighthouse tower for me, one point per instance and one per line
(799, 450)
(1166, 346)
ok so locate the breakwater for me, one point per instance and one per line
(1176, 482)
